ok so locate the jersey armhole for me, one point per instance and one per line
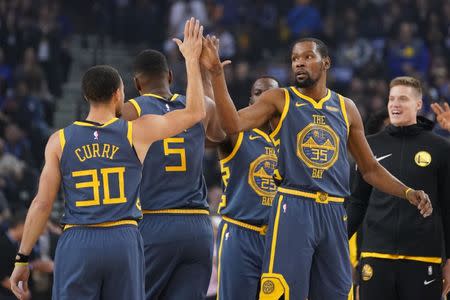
(130, 133)
(62, 139)
(136, 106)
(344, 112)
(235, 149)
(283, 116)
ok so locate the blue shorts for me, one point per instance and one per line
(306, 251)
(240, 258)
(178, 252)
(99, 263)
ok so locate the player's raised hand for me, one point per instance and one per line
(191, 46)
(210, 58)
(442, 114)
(19, 281)
(421, 200)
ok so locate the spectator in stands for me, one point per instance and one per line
(408, 54)
(304, 19)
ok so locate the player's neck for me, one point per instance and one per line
(315, 92)
(101, 114)
(163, 91)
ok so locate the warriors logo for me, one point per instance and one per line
(318, 146)
(260, 175)
(268, 287)
(366, 272)
(422, 158)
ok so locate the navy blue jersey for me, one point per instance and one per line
(100, 173)
(247, 177)
(311, 138)
(172, 177)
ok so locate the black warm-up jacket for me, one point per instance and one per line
(392, 227)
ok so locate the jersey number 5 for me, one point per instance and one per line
(175, 151)
(95, 185)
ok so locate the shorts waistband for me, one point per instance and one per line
(319, 197)
(260, 229)
(105, 224)
(177, 211)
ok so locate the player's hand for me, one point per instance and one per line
(421, 200)
(210, 58)
(442, 114)
(191, 46)
(19, 281)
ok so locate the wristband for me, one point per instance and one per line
(407, 191)
(21, 259)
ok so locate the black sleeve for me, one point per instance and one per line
(444, 197)
(357, 203)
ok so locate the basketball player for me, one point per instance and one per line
(248, 160)
(176, 229)
(99, 163)
(307, 247)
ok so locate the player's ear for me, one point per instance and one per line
(419, 104)
(137, 85)
(170, 76)
(327, 63)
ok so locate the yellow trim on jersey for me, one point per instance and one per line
(62, 139)
(275, 235)
(344, 112)
(154, 95)
(20, 264)
(428, 259)
(235, 149)
(219, 265)
(353, 249)
(105, 224)
(263, 134)
(130, 133)
(81, 123)
(350, 294)
(260, 229)
(174, 96)
(315, 104)
(177, 211)
(136, 106)
(283, 116)
(319, 197)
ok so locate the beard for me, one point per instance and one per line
(306, 83)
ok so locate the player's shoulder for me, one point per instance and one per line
(276, 92)
(56, 142)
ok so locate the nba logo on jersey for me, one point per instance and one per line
(167, 107)
(96, 135)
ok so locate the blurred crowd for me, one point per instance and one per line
(34, 63)
(370, 42)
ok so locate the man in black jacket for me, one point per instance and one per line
(402, 253)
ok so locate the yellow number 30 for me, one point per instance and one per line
(95, 185)
(175, 151)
